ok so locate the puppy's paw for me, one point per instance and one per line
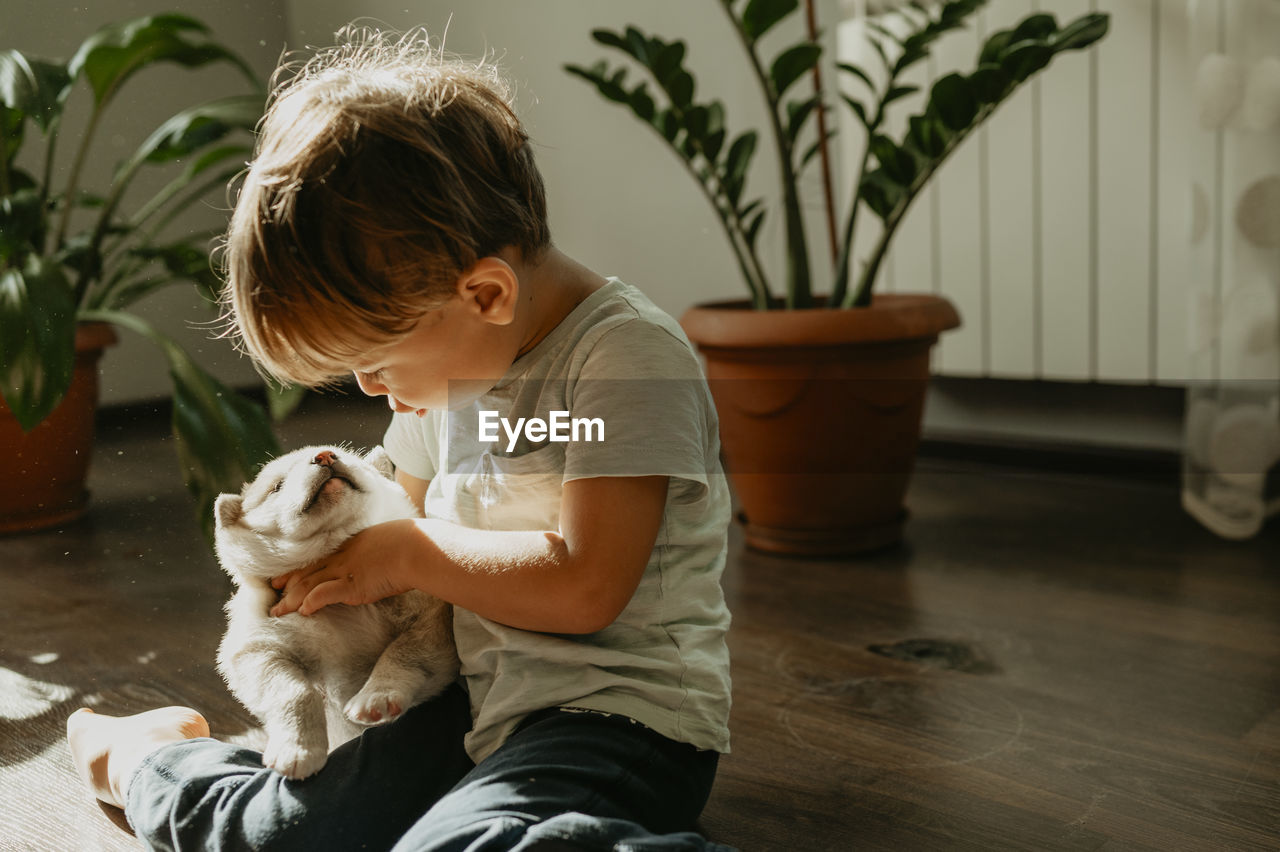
(293, 759)
(375, 706)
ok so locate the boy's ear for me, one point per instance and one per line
(381, 462)
(228, 509)
(491, 288)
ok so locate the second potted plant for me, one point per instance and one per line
(821, 397)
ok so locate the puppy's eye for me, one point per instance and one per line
(279, 484)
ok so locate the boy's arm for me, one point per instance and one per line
(416, 488)
(575, 580)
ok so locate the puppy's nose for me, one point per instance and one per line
(325, 458)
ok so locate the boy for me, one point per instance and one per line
(393, 222)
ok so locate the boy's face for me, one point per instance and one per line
(447, 361)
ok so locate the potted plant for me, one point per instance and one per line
(821, 397)
(72, 261)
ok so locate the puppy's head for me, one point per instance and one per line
(301, 506)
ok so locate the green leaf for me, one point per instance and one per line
(957, 10)
(192, 129)
(881, 193)
(696, 121)
(679, 87)
(857, 72)
(760, 16)
(797, 113)
(898, 164)
(908, 58)
(994, 47)
(792, 64)
(1025, 58)
(637, 45)
(882, 31)
(991, 84)
(1081, 32)
(859, 110)
(748, 209)
(37, 339)
(752, 229)
(222, 437)
(736, 164)
(714, 139)
(609, 86)
(11, 126)
(609, 38)
(641, 103)
(927, 136)
(33, 87)
(898, 92)
(668, 61)
(814, 148)
(596, 76)
(953, 100)
(712, 144)
(114, 53)
(880, 51)
(1034, 28)
(21, 220)
(184, 262)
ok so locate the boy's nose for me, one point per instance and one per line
(325, 458)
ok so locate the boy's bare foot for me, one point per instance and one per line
(107, 750)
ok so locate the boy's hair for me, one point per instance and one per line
(383, 171)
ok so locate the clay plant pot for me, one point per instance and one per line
(44, 470)
(820, 413)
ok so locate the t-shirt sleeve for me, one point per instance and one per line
(413, 444)
(642, 408)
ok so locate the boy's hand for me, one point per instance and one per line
(363, 570)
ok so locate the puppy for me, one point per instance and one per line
(316, 681)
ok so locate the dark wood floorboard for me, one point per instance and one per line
(1053, 662)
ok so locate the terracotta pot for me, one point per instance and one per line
(45, 469)
(820, 414)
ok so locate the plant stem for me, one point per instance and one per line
(4, 167)
(824, 153)
(68, 199)
(748, 263)
(862, 296)
(94, 248)
(799, 288)
(50, 147)
(846, 246)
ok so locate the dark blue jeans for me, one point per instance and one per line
(563, 781)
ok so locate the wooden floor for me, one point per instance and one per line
(1054, 661)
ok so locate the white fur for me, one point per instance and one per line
(316, 681)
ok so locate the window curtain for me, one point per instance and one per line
(1231, 468)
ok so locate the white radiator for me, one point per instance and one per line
(1061, 230)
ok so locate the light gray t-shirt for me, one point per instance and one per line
(622, 373)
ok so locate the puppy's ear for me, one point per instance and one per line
(228, 510)
(381, 462)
